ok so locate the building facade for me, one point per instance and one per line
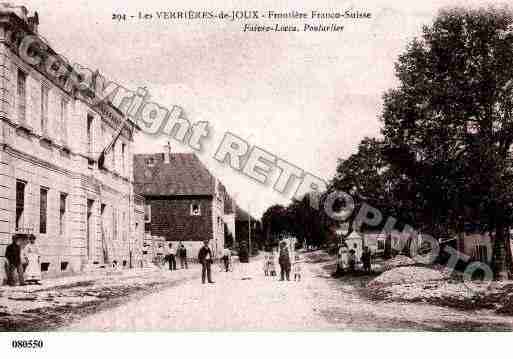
(184, 201)
(51, 185)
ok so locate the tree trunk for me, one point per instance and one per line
(501, 254)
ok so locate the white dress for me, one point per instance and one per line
(33, 270)
(343, 257)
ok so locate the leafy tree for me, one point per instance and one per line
(307, 222)
(448, 126)
(275, 221)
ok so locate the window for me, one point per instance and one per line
(150, 162)
(62, 213)
(45, 266)
(113, 156)
(89, 226)
(64, 266)
(43, 204)
(123, 224)
(22, 94)
(147, 213)
(123, 167)
(114, 223)
(44, 108)
(64, 120)
(89, 133)
(20, 203)
(195, 209)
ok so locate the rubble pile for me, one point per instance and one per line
(398, 261)
(412, 274)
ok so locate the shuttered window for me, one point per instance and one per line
(22, 95)
(44, 108)
(43, 205)
(62, 213)
(20, 203)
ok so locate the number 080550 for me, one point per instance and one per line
(27, 344)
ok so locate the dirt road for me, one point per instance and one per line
(318, 302)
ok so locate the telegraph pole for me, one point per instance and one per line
(246, 275)
(249, 233)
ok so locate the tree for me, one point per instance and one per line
(448, 126)
(275, 221)
(368, 178)
(306, 221)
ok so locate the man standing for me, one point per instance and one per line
(171, 258)
(284, 261)
(366, 259)
(15, 265)
(205, 258)
(182, 254)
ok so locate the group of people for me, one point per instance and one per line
(181, 253)
(23, 261)
(348, 259)
(285, 262)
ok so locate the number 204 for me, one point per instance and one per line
(119, 17)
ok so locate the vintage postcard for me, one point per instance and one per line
(289, 166)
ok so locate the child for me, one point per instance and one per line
(272, 265)
(266, 265)
(297, 269)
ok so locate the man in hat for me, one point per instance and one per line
(205, 257)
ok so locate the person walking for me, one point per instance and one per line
(171, 257)
(284, 261)
(205, 257)
(14, 265)
(182, 254)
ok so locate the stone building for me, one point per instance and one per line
(184, 201)
(83, 215)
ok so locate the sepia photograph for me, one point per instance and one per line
(280, 167)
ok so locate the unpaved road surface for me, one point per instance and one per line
(318, 302)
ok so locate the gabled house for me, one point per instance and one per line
(183, 200)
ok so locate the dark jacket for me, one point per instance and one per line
(284, 257)
(202, 254)
(13, 254)
(182, 252)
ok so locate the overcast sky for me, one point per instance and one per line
(308, 98)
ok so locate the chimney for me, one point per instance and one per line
(167, 153)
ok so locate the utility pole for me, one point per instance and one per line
(246, 275)
(249, 233)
